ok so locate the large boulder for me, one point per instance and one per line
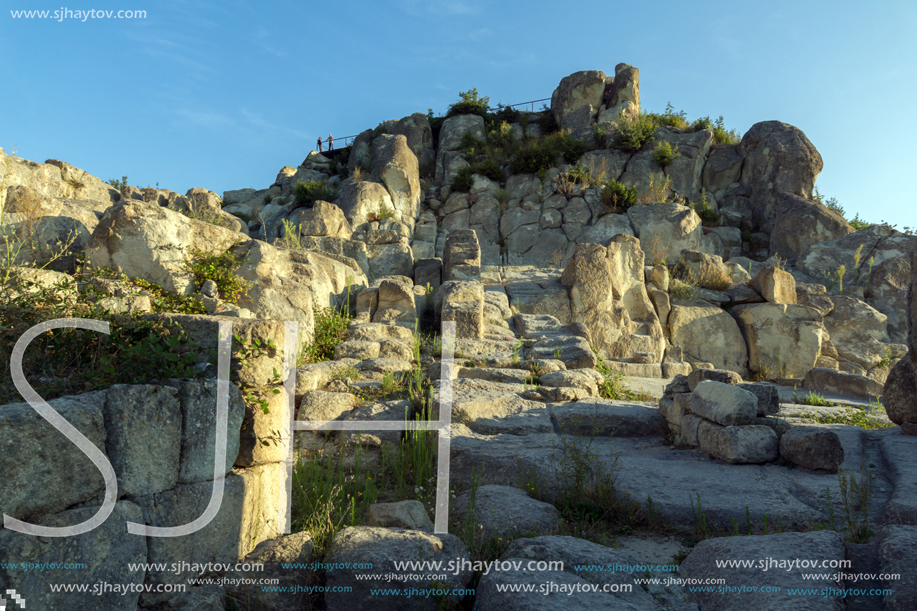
(287, 284)
(607, 294)
(451, 133)
(752, 587)
(462, 256)
(416, 129)
(54, 178)
(43, 225)
(359, 151)
(673, 226)
(783, 340)
(324, 219)
(684, 171)
(859, 332)
(801, 222)
(723, 168)
(778, 159)
(707, 334)
(381, 548)
(147, 241)
(622, 94)
(395, 165)
(584, 89)
(890, 252)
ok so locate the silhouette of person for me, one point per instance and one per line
(330, 142)
(319, 144)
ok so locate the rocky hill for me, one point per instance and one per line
(638, 303)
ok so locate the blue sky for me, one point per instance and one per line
(221, 95)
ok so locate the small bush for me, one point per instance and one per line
(490, 169)
(381, 213)
(722, 136)
(705, 211)
(702, 123)
(617, 195)
(464, 179)
(670, 118)
(681, 289)
(470, 104)
(536, 156)
(630, 134)
(664, 154)
(330, 330)
(532, 158)
(221, 269)
(310, 191)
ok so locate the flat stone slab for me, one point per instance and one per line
(606, 417)
(506, 511)
(899, 451)
(572, 587)
(820, 546)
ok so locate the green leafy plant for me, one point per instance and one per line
(291, 236)
(381, 213)
(723, 136)
(118, 184)
(855, 495)
(470, 103)
(812, 398)
(330, 330)
(221, 269)
(704, 210)
(616, 195)
(307, 192)
(631, 133)
(464, 180)
(664, 154)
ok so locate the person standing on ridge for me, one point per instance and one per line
(319, 144)
(330, 142)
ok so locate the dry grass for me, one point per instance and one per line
(711, 276)
(658, 252)
(657, 191)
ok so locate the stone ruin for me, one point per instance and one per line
(552, 293)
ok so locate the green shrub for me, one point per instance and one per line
(532, 158)
(670, 118)
(631, 134)
(664, 154)
(705, 211)
(702, 123)
(490, 169)
(470, 145)
(721, 136)
(221, 269)
(380, 129)
(617, 195)
(548, 122)
(310, 191)
(464, 179)
(330, 330)
(470, 104)
(535, 156)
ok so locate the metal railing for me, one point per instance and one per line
(348, 140)
(533, 102)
